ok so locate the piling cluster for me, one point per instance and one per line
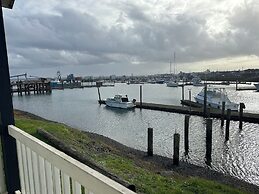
(209, 121)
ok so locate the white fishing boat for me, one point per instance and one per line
(257, 87)
(119, 101)
(215, 97)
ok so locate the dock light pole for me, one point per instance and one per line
(6, 109)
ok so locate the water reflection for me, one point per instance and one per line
(79, 108)
(119, 111)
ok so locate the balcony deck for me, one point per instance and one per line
(46, 170)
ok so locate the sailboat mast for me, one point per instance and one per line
(170, 66)
(174, 62)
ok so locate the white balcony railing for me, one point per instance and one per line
(46, 170)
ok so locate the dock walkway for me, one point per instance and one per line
(214, 113)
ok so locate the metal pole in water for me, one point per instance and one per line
(190, 98)
(150, 142)
(140, 95)
(241, 106)
(223, 113)
(227, 124)
(176, 149)
(208, 140)
(99, 95)
(183, 92)
(205, 101)
(208, 112)
(186, 134)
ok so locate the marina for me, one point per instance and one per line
(113, 119)
(197, 109)
(129, 127)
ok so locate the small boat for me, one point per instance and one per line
(56, 84)
(160, 81)
(215, 97)
(119, 101)
(151, 81)
(172, 83)
(257, 87)
(196, 81)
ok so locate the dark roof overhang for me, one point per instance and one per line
(7, 3)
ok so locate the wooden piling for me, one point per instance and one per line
(140, 95)
(205, 101)
(182, 91)
(176, 149)
(99, 95)
(208, 140)
(37, 88)
(19, 89)
(28, 89)
(150, 142)
(24, 88)
(227, 124)
(208, 112)
(186, 134)
(190, 98)
(223, 113)
(241, 108)
(43, 88)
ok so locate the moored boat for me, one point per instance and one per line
(196, 81)
(56, 84)
(215, 97)
(172, 83)
(119, 101)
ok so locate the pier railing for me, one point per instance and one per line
(46, 170)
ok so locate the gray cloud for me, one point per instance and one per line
(128, 36)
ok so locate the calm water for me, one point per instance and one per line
(79, 108)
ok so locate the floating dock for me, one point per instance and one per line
(193, 108)
(246, 88)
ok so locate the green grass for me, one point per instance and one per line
(145, 180)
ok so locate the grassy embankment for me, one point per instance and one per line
(146, 179)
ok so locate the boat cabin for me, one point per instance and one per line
(121, 98)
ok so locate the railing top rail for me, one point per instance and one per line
(86, 176)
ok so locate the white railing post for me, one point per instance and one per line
(46, 170)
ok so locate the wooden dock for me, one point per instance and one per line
(214, 113)
(246, 88)
(31, 87)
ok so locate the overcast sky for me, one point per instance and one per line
(105, 37)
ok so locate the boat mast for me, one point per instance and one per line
(170, 66)
(174, 63)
